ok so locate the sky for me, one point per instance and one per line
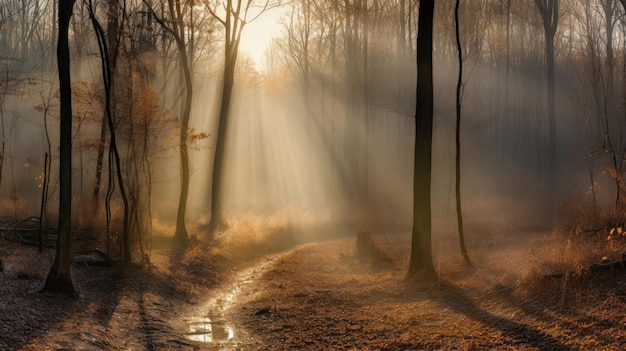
(258, 35)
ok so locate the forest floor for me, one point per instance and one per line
(320, 296)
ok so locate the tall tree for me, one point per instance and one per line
(178, 31)
(609, 9)
(549, 10)
(59, 279)
(113, 34)
(235, 16)
(421, 260)
(457, 178)
(177, 28)
(107, 78)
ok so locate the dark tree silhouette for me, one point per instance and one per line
(113, 40)
(232, 34)
(59, 279)
(421, 248)
(549, 10)
(107, 78)
(459, 87)
(178, 32)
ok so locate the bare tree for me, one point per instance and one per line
(609, 11)
(459, 93)
(234, 15)
(59, 279)
(421, 260)
(112, 41)
(177, 28)
(549, 10)
(603, 135)
(107, 77)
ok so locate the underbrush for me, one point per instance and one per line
(588, 236)
(580, 238)
(251, 236)
(247, 238)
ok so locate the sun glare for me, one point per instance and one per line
(258, 35)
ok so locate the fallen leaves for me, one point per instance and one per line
(330, 304)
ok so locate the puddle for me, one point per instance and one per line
(211, 324)
(203, 329)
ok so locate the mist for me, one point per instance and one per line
(304, 140)
(243, 175)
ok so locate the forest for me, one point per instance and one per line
(312, 175)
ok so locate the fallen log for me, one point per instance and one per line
(596, 267)
(95, 258)
(611, 265)
(27, 231)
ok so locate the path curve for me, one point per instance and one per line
(213, 325)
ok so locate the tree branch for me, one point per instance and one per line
(159, 19)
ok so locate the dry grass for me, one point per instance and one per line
(579, 239)
(250, 236)
(582, 237)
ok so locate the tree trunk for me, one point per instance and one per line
(113, 28)
(402, 45)
(217, 217)
(99, 163)
(59, 279)
(551, 113)
(112, 39)
(107, 77)
(459, 84)
(506, 125)
(179, 32)
(609, 107)
(549, 10)
(44, 197)
(421, 248)
(182, 238)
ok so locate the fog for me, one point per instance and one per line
(326, 137)
(251, 172)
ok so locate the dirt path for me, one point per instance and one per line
(315, 297)
(319, 297)
(212, 324)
